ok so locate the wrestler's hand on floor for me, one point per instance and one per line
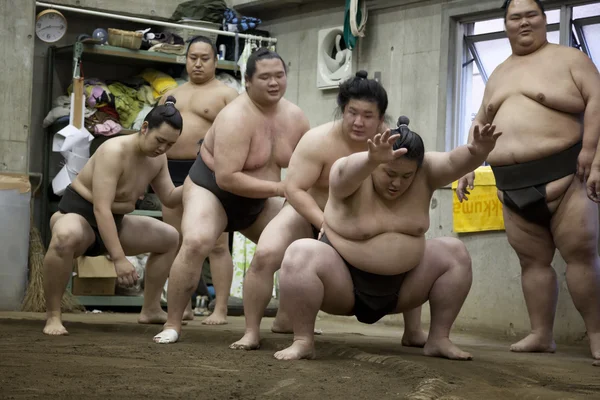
(126, 274)
(381, 148)
(593, 184)
(464, 183)
(484, 140)
(584, 163)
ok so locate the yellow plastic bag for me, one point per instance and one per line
(483, 210)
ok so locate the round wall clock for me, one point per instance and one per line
(50, 26)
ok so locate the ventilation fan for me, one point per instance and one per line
(334, 60)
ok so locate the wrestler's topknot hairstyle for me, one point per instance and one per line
(165, 114)
(360, 87)
(201, 39)
(507, 3)
(409, 140)
(260, 54)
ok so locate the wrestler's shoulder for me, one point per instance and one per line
(225, 90)
(317, 138)
(569, 54)
(112, 151)
(291, 109)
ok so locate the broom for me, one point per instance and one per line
(34, 299)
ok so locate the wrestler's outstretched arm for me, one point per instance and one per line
(163, 186)
(232, 148)
(444, 168)
(306, 166)
(348, 173)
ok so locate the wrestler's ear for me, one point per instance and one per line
(144, 128)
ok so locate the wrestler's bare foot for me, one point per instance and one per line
(414, 339)
(595, 345)
(444, 348)
(534, 343)
(152, 317)
(250, 341)
(218, 317)
(300, 349)
(54, 327)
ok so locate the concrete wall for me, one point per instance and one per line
(407, 43)
(409, 46)
(16, 64)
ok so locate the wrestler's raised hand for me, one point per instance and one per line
(381, 148)
(484, 140)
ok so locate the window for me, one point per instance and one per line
(485, 46)
(586, 30)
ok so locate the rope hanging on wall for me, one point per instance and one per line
(358, 29)
(355, 21)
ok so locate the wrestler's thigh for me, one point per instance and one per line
(533, 243)
(322, 265)
(439, 252)
(141, 234)
(172, 216)
(71, 231)
(287, 227)
(204, 217)
(575, 225)
(272, 207)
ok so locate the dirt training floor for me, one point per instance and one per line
(109, 356)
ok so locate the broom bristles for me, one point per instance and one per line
(34, 299)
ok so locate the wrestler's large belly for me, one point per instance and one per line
(531, 131)
(389, 253)
(194, 129)
(123, 205)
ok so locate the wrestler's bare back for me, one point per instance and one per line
(136, 172)
(535, 103)
(199, 105)
(380, 236)
(273, 136)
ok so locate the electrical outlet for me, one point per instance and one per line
(377, 76)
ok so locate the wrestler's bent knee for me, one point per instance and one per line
(457, 255)
(170, 237)
(196, 246)
(63, 242)
(267, 259)
(298, 255)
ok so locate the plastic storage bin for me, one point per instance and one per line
(15, 199)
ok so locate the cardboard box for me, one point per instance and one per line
(94, 276)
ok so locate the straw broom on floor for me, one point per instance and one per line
(34, 299)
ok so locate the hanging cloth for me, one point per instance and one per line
(243, 60)
(352, 28)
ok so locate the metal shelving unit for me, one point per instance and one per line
(95, 52)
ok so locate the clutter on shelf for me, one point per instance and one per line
(111, 108)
